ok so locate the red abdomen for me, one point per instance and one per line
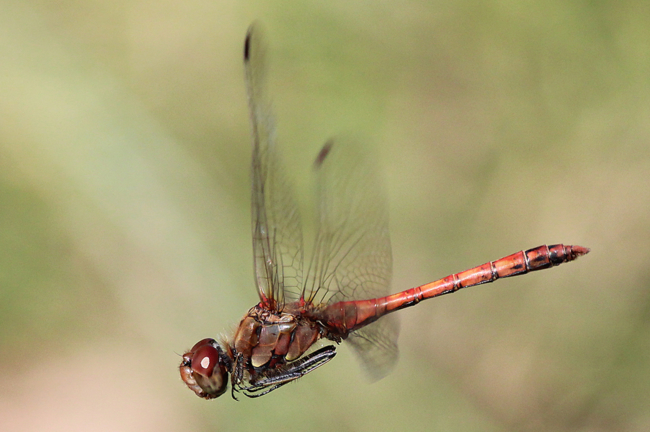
(348, 316)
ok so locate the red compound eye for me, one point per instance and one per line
(203, 369)
(204, 360)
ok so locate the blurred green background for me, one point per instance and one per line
(500, 126)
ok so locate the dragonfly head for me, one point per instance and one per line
(204, 369)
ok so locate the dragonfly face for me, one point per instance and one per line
(205, 369)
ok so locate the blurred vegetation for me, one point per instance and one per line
(124, 206)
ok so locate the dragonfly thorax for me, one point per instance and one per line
(266, 339)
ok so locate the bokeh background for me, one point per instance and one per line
(499, 126)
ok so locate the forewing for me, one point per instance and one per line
(352, 258)
(276, 229)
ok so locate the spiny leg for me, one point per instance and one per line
(237, 375)
(297, 369)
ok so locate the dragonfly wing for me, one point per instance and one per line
(352, 257)
(376, 346)
(276, 227)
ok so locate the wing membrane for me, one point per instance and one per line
(352, 257)
(352, 254)
(276, 228)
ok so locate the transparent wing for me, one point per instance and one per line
(276, 228)
(352, 256)
(376, 346)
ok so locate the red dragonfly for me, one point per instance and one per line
(344, 290)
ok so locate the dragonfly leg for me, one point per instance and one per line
(274, 379)
(237, 376)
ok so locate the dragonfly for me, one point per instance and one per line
(343, 292)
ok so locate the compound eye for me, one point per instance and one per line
(205, 359)
(203, 369)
